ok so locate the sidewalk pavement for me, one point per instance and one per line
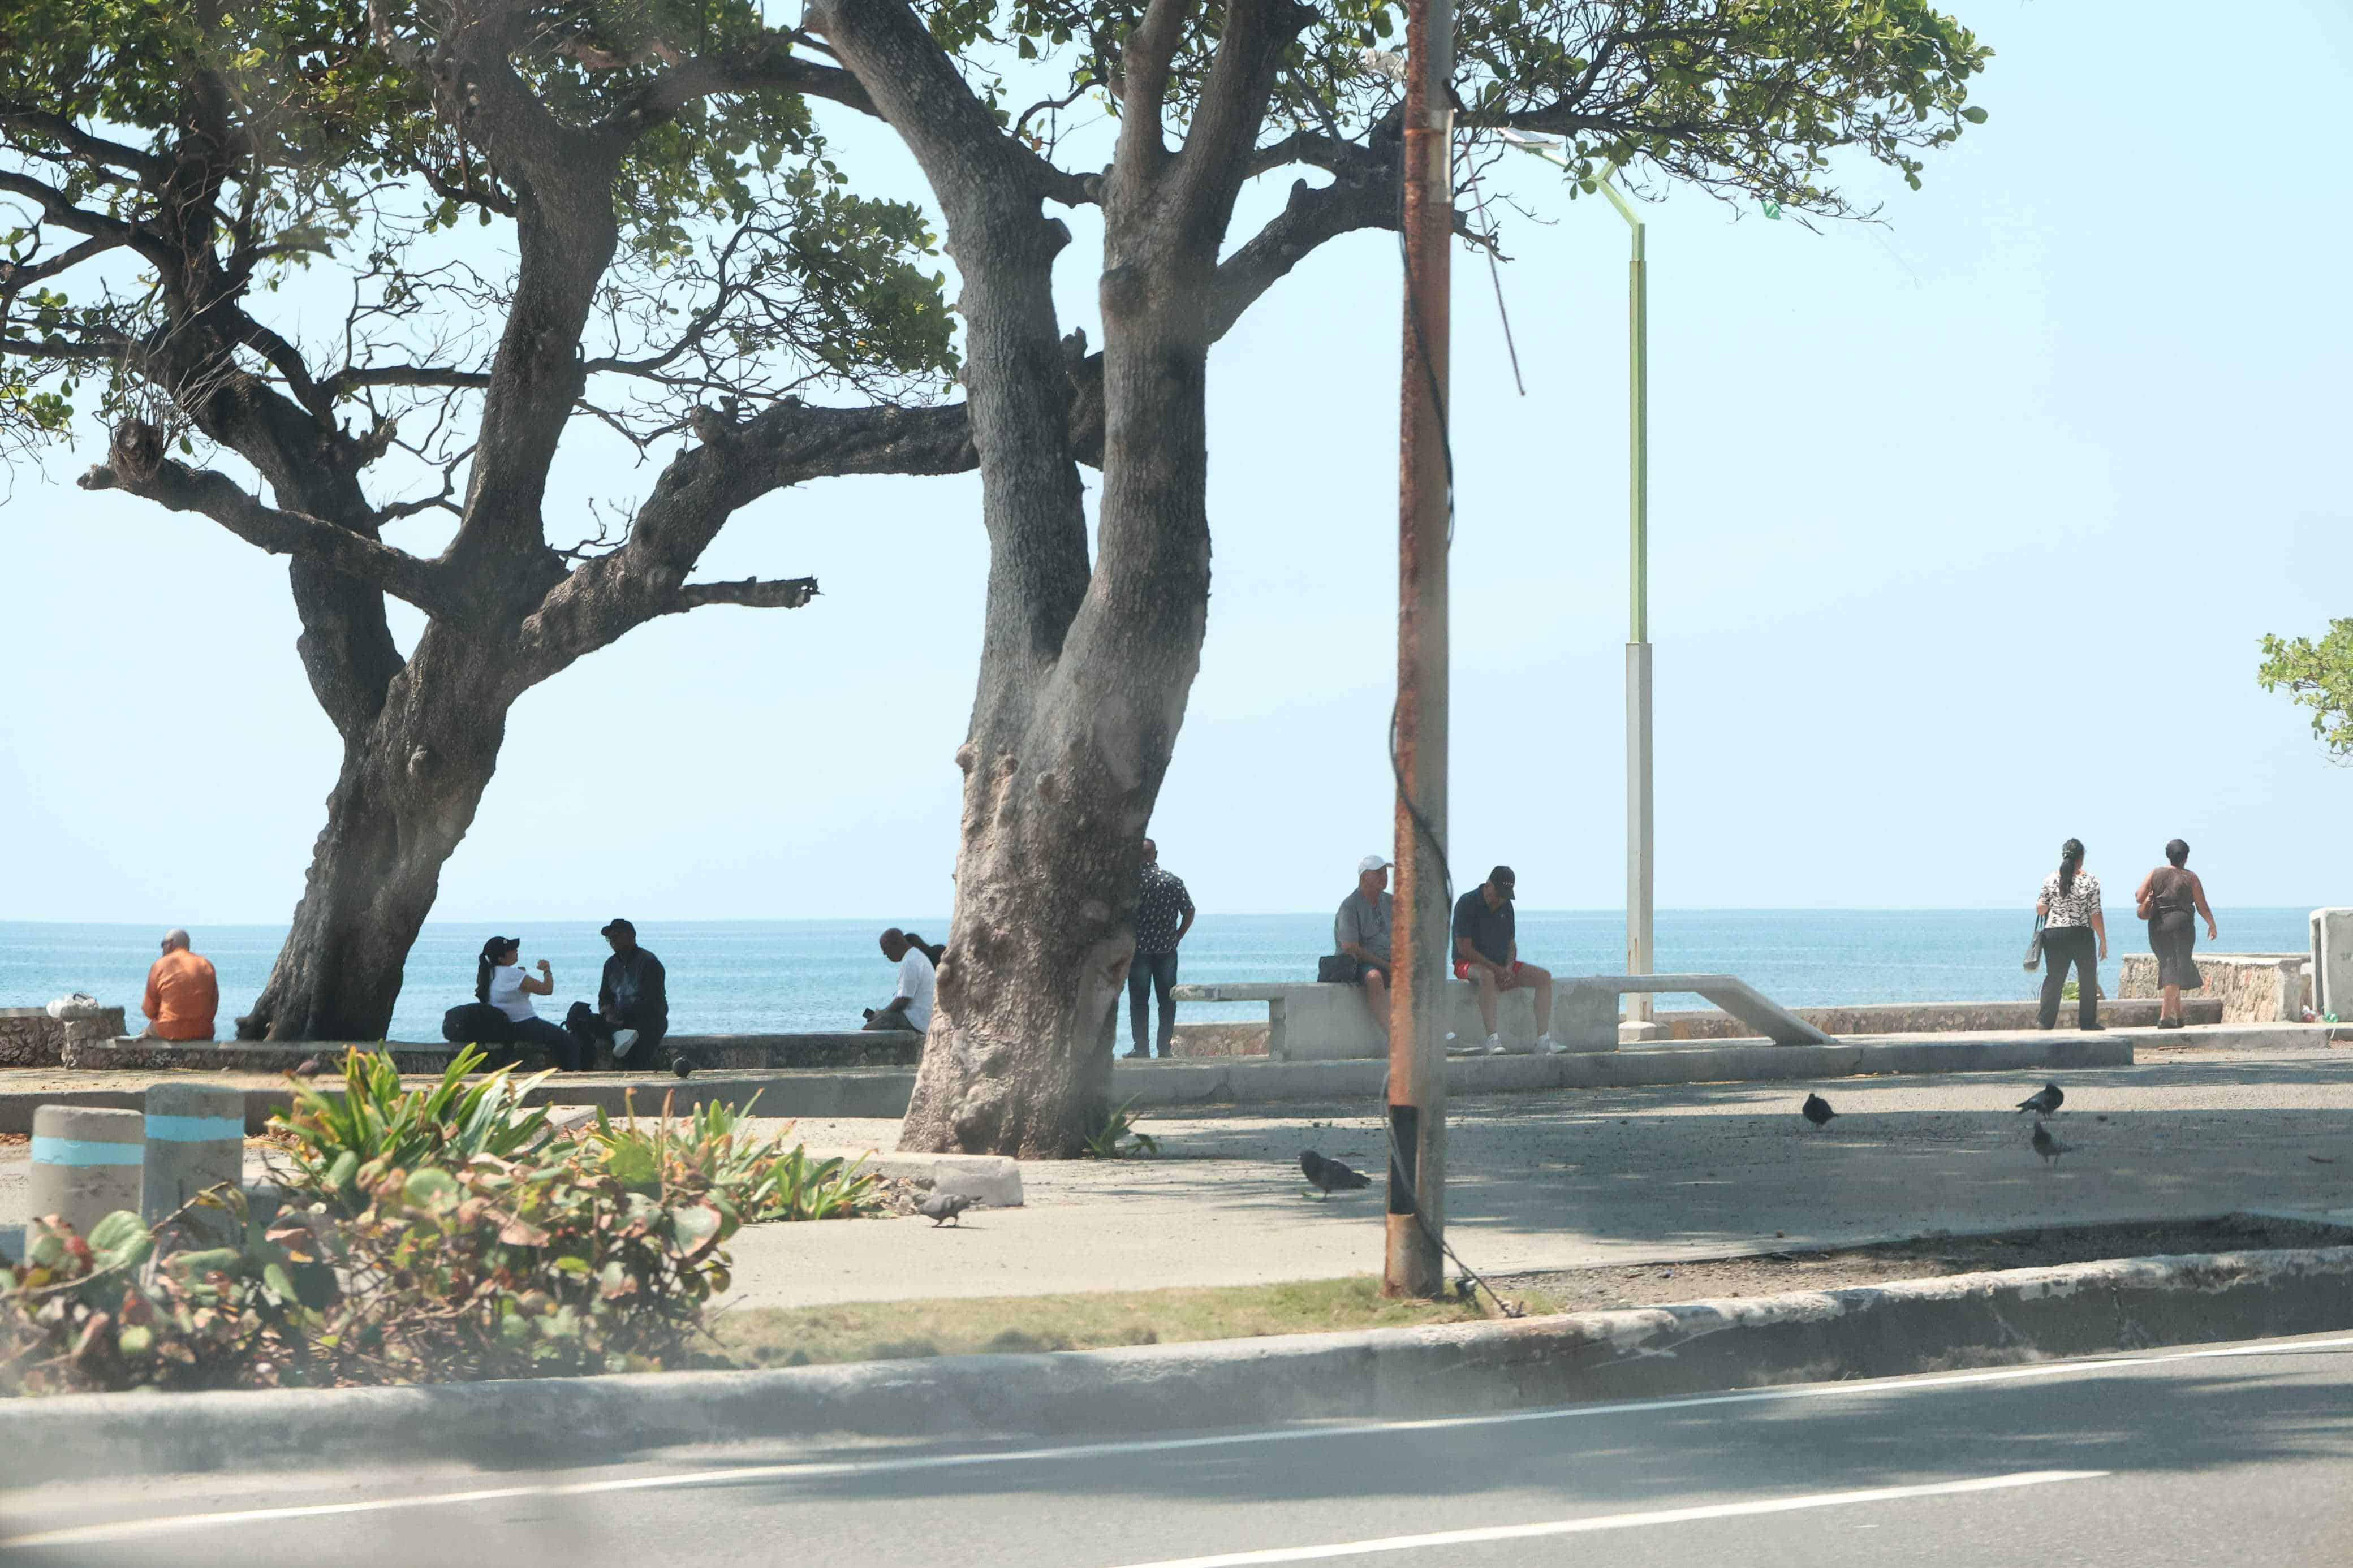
(1579, 1177)
(1594, 1176)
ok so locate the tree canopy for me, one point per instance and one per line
(2318, 676)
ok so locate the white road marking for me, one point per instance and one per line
(124, 1530)
(1619, 1520)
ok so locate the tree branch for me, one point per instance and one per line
(765, 68)
(915, 87)
(91, 148)
(752, 593)
(1145, 58)
(135, 464)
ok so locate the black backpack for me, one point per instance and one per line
(477, 1024)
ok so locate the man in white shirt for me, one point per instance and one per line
(911, 1007)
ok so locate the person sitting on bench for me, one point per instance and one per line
(911, 1006)
(1487, 954)
(1360, 933)
(632, 1011)
(500, 983)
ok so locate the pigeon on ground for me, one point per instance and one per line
(942, 1207)
(2047, 1146)
(1329, 1176)
(2045, 1101)
(1816, 1110)
(309, 1067)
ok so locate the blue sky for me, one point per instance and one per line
(1965, 530)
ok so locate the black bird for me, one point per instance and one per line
(683, 1068)
(2047, 1146)
(2047, 1101)
(1816, 1110)
(1329, 1176)
(942, 1207)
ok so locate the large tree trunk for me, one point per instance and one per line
(408, 789)
(1065, 762)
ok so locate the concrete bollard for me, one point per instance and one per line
(86, 1164)
(2332, 963)
(196, 1139)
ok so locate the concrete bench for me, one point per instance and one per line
(1308, 1021)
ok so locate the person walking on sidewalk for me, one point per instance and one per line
(1487, 954)
(2169, 898)
(2070, 907)
(1163, 913)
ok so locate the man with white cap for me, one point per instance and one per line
(1361, 932)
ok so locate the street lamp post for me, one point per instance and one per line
(1640, 878)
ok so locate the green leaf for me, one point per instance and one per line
(121, 1240)
(1974, 115)
(432, 1190)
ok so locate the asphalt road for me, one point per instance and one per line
(2240, 1454)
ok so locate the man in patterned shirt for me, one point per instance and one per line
(1163, 913)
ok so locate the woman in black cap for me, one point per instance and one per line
(2169, 898)
(500, 981)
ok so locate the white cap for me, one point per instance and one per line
(1372, 863)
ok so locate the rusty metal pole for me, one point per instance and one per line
(1413, 1264)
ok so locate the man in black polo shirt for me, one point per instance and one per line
(1487, 954)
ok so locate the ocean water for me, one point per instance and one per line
(765, 976)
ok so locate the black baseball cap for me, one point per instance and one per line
(616, 923)
(1502, 880)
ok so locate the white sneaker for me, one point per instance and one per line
(624, 1041)
(1549, 1046)
(1494, 1045)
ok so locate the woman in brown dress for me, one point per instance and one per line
(2167, 897)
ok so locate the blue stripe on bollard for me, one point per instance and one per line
(86, 1151)
(196, 1129)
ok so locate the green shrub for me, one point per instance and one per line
(341, 1147)
(104, 1314)
(1113, 1136)
(527, 1267)
(711, 1149)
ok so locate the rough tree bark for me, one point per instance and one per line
(1084, 672)
(421, 735)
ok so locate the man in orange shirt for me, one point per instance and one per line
(183, 992)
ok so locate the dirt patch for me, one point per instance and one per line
(1925, 1257)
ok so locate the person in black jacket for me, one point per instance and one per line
(632, 1011)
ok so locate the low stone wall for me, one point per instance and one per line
(1221, 1040)
(2252, 988)
(875, 1048)
(1932, 1017)
(30, 1037)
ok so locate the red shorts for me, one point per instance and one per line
(1463, 969)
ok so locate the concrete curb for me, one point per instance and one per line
(1652, 1352)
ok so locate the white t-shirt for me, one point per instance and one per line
(915, 983)
(507, 994)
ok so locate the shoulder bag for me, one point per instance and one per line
(2035, 945)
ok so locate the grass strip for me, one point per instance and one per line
(900, 1331)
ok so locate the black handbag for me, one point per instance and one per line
(1338, 969)
(2035, 945)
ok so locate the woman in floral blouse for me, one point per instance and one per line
(2070, 907)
